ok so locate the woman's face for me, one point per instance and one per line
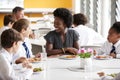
(59, 24)
(113, 36)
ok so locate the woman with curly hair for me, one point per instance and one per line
(62, 40)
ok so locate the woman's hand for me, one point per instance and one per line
(72, 50)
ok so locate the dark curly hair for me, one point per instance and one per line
(116, 27)
(65, 15)
(79, 19)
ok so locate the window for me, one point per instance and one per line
(117, 8)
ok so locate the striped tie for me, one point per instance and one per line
(27, 50)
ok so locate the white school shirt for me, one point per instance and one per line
(6, 70)
(1, 30)
(22, 52)
(107, 47)
(88, 36)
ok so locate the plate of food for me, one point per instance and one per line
(37, 70)
(68, 57)
(102, 57)
(34, 60)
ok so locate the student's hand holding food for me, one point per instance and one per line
(24, 62)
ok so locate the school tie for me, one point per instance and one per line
(27, 50)
(113, 49)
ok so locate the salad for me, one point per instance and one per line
(37, 69)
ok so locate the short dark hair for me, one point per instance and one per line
(8, 19)
(16, 9)
(116, 27)
(21, 24)
(65, 15)
(8, 37)
(79, 19)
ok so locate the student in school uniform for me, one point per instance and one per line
(112, 46)
(25, 50)
(8, 22)
(10, 41)
(88, 36)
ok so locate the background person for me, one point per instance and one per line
(87, 35)
(8, 22)
(18, 13)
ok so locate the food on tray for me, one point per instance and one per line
(34, 59)
(101, 56)
(37, 69)
(70, 56)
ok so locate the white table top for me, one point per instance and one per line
(58, 69)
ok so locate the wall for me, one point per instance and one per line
(1, 19)
(41, 4)
(47, 3)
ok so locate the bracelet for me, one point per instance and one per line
(63, 50)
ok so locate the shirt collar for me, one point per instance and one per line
(117, 43)
(81, 25)
(26, 39)
(6, 54)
